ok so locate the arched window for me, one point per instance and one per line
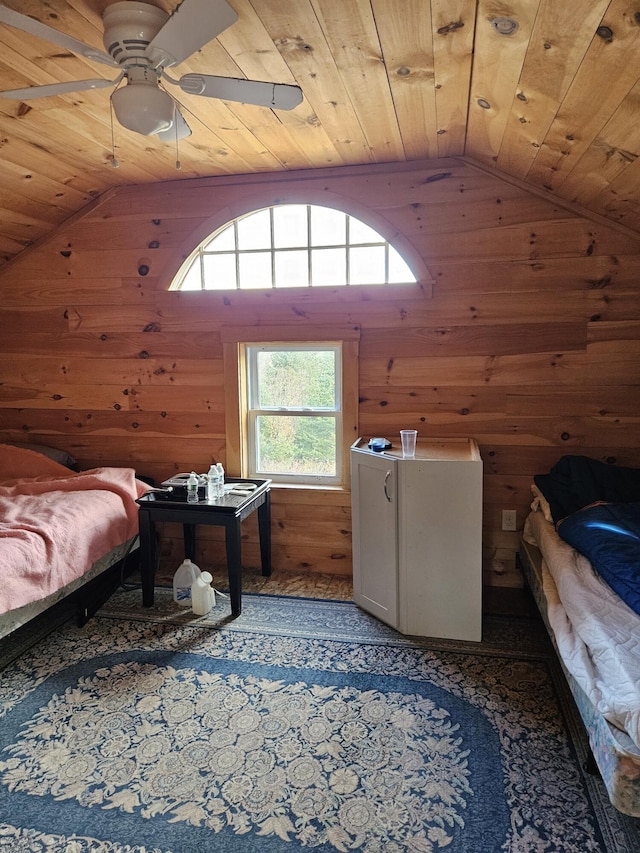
(292, 245)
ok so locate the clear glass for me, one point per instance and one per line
(296, 379)
(366, 265)
(328, 267)
(255, 270)
(219, 272)
(408, 438)
(290, 226)
(361, 233)
(254, 231)
(292, 268)
(399, 272)
(193, 279)
(225, 241)
(328, 227)
(296, 445)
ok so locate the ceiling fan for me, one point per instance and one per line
(143, 41)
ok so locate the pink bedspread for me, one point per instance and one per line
(53, 528)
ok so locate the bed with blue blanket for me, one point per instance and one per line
(581, 556)
(609, 535)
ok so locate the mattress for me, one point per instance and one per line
(615, 754)
(14, 619)
(58, 529)
(596, 633)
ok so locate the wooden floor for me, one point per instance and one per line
(496, 600)
(307, 585)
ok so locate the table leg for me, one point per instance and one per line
(264, 533)
(189, 538)
(147, 557)
(234, 566)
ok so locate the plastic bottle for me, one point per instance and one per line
(220, 480)
(192, 488)
(212, 484)
(203, 596)
(185, 575)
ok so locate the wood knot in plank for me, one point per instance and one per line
(450, 28)
(439, 176)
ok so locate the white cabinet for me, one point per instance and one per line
(417, 537)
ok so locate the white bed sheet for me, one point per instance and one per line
(597, 634)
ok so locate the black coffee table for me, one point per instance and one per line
(228, 512)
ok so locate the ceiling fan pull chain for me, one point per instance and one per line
(178, 163)
(114, 160)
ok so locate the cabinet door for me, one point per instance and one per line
(440, 548)
(373, 513)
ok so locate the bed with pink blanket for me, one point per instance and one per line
(58, 529)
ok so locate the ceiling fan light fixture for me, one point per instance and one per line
(143, 108)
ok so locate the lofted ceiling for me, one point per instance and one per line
(554, 105)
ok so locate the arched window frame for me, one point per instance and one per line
(421, 287)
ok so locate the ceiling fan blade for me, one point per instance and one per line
(30, 25)
(193, 24)
(30, 93)
(277, 96)
(180, 130)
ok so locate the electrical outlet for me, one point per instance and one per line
(508, 519)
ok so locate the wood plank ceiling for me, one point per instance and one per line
(555, 104)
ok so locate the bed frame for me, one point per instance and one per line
(86, 594)
(613, 754)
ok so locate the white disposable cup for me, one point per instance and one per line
(408, 437)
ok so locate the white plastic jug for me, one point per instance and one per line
(183, 579)
(203, 596)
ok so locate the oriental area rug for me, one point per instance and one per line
(300, 725)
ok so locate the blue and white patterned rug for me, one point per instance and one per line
(300, 725)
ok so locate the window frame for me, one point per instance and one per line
(254, 410)
(196, 259)
(234, 346)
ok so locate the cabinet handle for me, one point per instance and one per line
(386, 478)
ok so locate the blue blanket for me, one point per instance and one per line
(608, 534)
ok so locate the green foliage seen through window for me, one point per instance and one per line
(298, 385)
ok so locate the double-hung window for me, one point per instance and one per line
(291, 404)
(294, 412)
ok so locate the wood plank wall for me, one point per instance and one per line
(526, 337)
